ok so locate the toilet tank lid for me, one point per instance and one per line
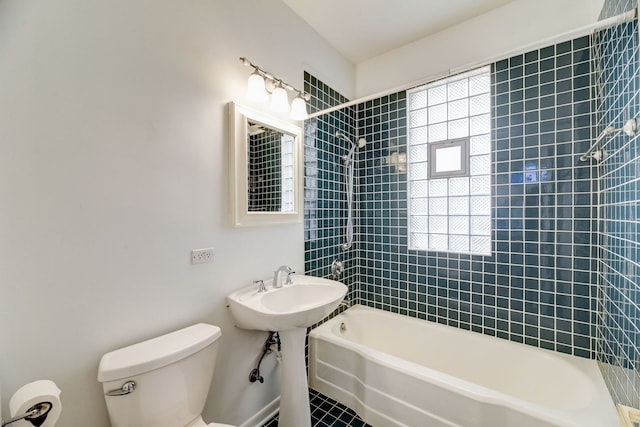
(157, 352)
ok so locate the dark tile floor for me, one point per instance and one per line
(326, 412)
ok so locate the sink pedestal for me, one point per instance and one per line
(294, 394)
(288, 309)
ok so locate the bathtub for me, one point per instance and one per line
(395, 370)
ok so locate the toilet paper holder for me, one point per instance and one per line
(35, 414)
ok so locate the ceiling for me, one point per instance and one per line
(362, 29)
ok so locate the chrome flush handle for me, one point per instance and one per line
(126, 388)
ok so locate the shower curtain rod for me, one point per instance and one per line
(569, 35)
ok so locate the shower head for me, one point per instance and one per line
(361, 142)
(343, 137)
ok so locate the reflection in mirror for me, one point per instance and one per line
(266, 157)
(270, 169)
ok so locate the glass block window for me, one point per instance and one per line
(451, 212)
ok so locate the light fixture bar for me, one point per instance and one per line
(276, 81)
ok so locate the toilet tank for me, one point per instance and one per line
(172, 375)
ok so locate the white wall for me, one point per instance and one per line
(510, 27)
(113, 166)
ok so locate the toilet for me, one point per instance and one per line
(161, 382)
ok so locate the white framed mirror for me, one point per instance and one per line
(265, 168)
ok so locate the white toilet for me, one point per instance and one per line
(162, 382)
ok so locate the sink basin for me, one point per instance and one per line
(299, 305)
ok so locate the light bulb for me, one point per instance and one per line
(256, 90)
(299, 109)
(279, 100)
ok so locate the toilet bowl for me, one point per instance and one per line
(161, 382)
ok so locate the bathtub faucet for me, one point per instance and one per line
(346, 303)
(277, 283)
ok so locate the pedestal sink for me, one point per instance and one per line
(290, 310)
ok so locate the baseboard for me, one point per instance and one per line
(264, 415)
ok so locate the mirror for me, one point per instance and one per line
(265, 168)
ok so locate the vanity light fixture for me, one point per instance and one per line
(280, 99)
(262, 83)
(256, 89)
(299, 108)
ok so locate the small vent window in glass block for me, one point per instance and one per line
(448, 158)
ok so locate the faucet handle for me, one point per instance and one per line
(261, 286)
(289, 273)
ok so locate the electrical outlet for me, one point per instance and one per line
(201, 256)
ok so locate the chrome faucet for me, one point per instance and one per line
(346, 303)
(276, 276)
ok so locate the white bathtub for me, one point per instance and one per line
(395, 370)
